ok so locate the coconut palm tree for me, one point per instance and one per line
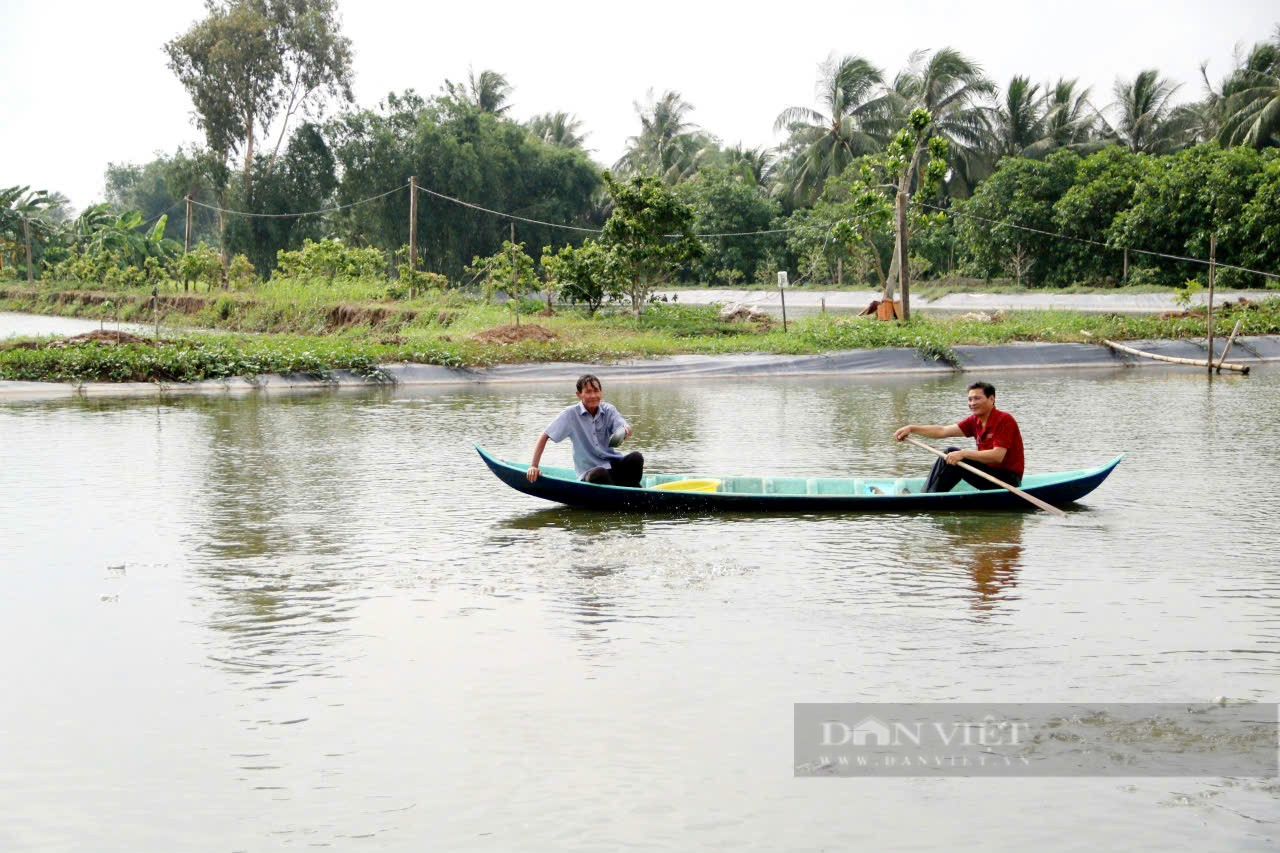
(1251, 98)
(560, 129)
(668, 145)
(756, 164)
(955, 92)
(1019, 121)
(1146, 120)
(487, 92)
(1070, 119)
(855, 116)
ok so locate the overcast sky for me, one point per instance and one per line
(83, 84)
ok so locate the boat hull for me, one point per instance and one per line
(1058, 490)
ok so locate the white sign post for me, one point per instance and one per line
(782, 294)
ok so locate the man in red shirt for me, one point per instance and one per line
(999, 450)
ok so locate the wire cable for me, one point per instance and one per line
(1097, 243)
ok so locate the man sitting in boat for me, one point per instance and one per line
(999, 450)
(595, 428)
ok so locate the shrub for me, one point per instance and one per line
(331, 259)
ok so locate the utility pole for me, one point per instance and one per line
(413, 223)
(186, 237)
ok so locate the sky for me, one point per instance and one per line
(84, 84)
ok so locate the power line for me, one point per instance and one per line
(587, 230)
(506, 215)
(295, 215)
(1003, 224)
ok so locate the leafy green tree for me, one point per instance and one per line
(201, 264)
(458, 152)
(1020, 195)
(160, 185)
(668, 145)
(917, 157)
(304, 180)
(249, 60)
(1181, 202)
(510, 270)
(1259, 222)
(855, 116)
(315, 59)
(726, 203)
(1104, 186)
(585, 275)
(650, 232)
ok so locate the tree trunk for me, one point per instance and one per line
(26, 230)
(248, 156)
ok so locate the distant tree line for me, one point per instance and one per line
(1132, 170)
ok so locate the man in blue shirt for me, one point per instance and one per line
(594, 427)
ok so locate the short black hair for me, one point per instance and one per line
(588, 379)
(987, 389)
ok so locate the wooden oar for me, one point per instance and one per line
(1047, 507)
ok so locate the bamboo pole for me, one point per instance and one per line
(1239, 368)
(1227, 348)
(1213, 252)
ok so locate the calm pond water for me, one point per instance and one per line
(14, 325)
(318, 621)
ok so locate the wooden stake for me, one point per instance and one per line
(515, 287)
(1227, 349)
(1213, 251)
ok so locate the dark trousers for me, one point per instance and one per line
(944, 477)
(624, 472)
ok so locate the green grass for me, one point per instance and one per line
(310, 330)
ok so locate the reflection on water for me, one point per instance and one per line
(990, 547)
(335, 625)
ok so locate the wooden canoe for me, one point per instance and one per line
(792, 494)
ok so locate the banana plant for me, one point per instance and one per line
(20, 220)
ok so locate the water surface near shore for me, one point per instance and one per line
(317, 620)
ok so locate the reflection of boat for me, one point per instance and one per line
(789, 494)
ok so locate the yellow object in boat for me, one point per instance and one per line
(702, 485)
